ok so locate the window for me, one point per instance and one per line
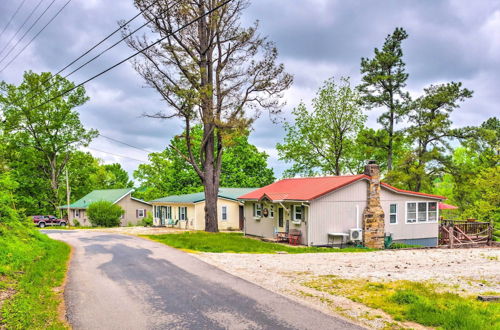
(169, 212)
(257, 210)
(421, 212)
(140, 213)
(77, 213)
(297, 213)
(224, 213)
(393, 213)
(271, 211)
(432, 211)
(411, 215)
(182, 213)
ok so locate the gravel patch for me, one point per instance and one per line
(465, 271)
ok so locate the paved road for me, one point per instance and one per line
(125, 282)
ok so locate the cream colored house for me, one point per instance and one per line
(327, 210)
(188, 211)
(135, 209)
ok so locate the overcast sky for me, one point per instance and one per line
(317, 39)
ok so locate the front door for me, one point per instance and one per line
(281, 219)
(163, 215)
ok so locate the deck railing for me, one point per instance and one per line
(464, 233)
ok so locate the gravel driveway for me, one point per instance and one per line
(125, 282)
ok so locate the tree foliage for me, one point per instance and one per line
(214, 72)
(47, 131)
(168, 173)
(322, 140)
(104, 214)
(383, 82)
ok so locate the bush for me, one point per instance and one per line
(76, 223)
(147, 221)
(104, 214)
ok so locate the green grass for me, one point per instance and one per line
(234, 243)
(31, 267)
(419, 302)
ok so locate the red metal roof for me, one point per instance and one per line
(306, 189)
(411, 192)
(302, 189)
(443, 206)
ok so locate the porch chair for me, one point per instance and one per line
(294, 236)
(172, 223)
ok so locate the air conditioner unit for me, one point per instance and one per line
(355, 235)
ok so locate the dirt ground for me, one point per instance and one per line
(465, 271)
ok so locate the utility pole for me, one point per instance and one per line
(67, 194)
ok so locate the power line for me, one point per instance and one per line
(12, 17)
(27, 31)
(110, 153)
(135, 54)
(36, 35)
(22, 25)
(124, 143)
(95, 46)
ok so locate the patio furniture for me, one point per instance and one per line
(172, 223)
(343, 237)
(282, 236)
(294, 236)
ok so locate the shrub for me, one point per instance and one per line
(76, 223)
(147, 221)
(104, 214)
(403, 246)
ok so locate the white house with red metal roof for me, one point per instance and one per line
(335, 209)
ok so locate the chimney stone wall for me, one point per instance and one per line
(373, 215)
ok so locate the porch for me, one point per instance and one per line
(465, 233)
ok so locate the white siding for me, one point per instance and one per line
(336, 212)
(403, 230)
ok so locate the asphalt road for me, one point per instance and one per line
(125, 282)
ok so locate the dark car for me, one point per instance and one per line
(43, 221)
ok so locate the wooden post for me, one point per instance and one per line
(451, 236)
(490, 233)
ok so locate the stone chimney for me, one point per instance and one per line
(373, 215)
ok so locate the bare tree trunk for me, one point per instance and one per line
(211, 182)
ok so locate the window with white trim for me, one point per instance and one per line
(393, 213)
(257, 210)
(140, 213)
(182, 213)
(169, 212)
(421, 212)
(271, 211)
(224, 213)
(77, 213)
(411, 212)
(298, 213)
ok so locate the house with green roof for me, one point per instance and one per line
(135, 209)
(188, 211)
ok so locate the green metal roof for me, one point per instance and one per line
(227, 193)
(110, 195)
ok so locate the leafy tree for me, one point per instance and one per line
(104, 214)
(431, 130)
(322, 140)
(168, 173)
(383, 82)
(50, 130)
(8, 211)
(215, 73)
(113, 176)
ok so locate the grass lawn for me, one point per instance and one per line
(235, 243)
(420, 302)
(32, 267)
